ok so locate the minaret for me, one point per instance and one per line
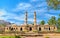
(34, 18)
(26, 18)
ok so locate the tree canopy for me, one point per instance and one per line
(58, 22)
(42, 22)
(52, 20)
(53, 4)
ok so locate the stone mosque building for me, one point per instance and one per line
(30, 27)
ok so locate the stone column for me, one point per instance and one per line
(26, 18)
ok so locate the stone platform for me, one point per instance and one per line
(35, 35)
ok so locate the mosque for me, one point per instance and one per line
(30, 27)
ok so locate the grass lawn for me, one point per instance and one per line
(7, 36)
(58, 30)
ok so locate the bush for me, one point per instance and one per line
(17, 37)
(35, 31)
(46, 37)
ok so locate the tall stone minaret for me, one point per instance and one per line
(34, 18)
(26, 18)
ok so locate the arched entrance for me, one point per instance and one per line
(20, 29)
(12, 29)
(39, 29)
(30, 29)
(49, 28)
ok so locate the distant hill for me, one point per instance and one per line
(4, 23)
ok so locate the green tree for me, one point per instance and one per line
(52, 20)
(54, 3)
(42, 22)
(58, 22)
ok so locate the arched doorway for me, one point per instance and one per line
(39, 29)
(30, 29)
(20, 29)
(12, 29)
(49, 28)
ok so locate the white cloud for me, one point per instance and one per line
(4, 15)
(21, 17)
(2, 12)
(49, 15)
(22, 6)
(31, 8)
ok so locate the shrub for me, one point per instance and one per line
(17, 37)
(46, 37)
(35, 31)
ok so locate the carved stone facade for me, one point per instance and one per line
(30, 27)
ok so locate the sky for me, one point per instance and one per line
(14, 11)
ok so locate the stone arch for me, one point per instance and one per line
(39, 28)
(7, 28)
(11, 28)
(54, 27)
(49, 28)
(14, 28)
(30, 28)
(21, 29)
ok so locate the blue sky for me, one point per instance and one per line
(14, 10)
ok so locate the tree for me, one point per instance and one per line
(52, 20)
(42, 22)
(54, 4)
(58, 22)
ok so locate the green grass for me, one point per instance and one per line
(7, 36)
(58, 30)
(10, 37)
